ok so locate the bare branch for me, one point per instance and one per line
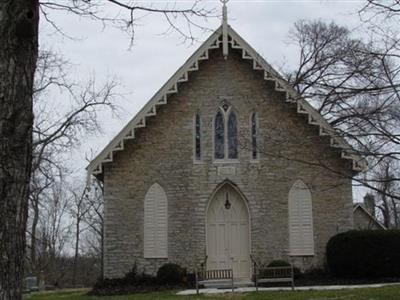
(125, 15)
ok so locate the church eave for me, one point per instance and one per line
(303, 107)
(95, 167)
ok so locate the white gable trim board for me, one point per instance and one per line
(95, 168)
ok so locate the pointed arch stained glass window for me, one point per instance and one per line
(232, 137)
(219, 136)
(254, 153)
(225, 133)
(197, 137)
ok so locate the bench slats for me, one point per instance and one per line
(277, 272)
(219, 274)
(274, 274)
(267, 280)
(216, 274)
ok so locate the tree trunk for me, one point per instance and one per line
(102, 250)
(386, 212)
(18, 53)
(35, 221)
(78, 221)
(395, 213)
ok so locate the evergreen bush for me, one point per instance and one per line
(170, 274)
(364, 254)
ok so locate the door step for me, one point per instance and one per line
(226, 283)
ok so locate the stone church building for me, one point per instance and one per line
(224, 165)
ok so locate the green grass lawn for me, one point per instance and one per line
(384, 293)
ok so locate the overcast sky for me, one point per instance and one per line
(154, 57)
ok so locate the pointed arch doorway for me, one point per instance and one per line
(228, 235)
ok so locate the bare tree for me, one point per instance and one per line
(42, 180)
(54, 231)
(94, 219)
(18, 52)
(57, 133)
(354, 85)
(18, 55)
(182, 19)
(387, 205)
(385, 8)
(78, 211)
(70, 214)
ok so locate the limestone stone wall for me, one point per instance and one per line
(290, 149)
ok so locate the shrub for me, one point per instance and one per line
(189, 280)
(282, 263)
(278, 263)
(130, 283)
(170, 274)
(316, 273)
(364, 254)
(130, 277)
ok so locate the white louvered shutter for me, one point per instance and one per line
(155, 223)
(301, 232)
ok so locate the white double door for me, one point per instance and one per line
(228, 244)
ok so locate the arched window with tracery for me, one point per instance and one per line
(226, 133)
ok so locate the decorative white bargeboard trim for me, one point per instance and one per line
(191, 65)
(150, 109)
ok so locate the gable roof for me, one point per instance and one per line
(215, 41)
(360, 207)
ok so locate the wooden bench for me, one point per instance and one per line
(221, 274)
(274, 274)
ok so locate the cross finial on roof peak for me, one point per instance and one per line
(224, 28)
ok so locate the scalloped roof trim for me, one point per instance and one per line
(95, 167)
